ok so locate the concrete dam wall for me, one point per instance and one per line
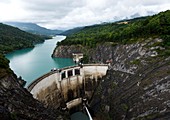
(67, 86)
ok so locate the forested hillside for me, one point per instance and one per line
(72, 31)
(12, 38)
(123, 32)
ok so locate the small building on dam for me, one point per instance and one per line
(65, 88)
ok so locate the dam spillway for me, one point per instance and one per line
(68, 85)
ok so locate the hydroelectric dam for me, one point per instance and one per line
(66, 88)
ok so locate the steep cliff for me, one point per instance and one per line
(16, 103)
(138, 53)
(66, 51)
(137, 83)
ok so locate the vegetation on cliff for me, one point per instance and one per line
(4, 66)
(16, 103)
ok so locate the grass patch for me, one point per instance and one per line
(124, 107)
(13, 116)
(149, 117)
(164, 53)
(113, 85)
(146, 83)
(136, 62)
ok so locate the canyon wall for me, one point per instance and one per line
(16, 103)
(137, 83)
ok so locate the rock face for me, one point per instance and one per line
(16, 103)
(66, 51)
(143, 95)
(137, 83)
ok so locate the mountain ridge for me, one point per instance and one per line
(34, 28)
(137, 83)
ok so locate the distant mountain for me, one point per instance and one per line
(150, 13)
(72, 31)
(135, 15)
(34, 28)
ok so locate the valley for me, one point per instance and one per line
(135, 86)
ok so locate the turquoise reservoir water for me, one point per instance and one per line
(32, 63)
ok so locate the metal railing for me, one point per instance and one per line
(88, 113)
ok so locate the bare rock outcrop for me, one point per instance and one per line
(16, 103)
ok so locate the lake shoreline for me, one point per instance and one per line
(31, 63)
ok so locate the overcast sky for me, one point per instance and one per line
(65, 14)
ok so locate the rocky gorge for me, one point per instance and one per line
(137, 83)
(136, 86)
(16, 103)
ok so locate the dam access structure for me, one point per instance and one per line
(66, 88)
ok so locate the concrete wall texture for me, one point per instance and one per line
(68, 84)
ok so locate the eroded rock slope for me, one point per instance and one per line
(16, 103)
(137, 83)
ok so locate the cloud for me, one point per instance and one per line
(65, 14)
(5, 1)
(12, 10)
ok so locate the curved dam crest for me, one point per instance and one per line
(67, 86)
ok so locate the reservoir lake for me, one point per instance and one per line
(32, 63)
